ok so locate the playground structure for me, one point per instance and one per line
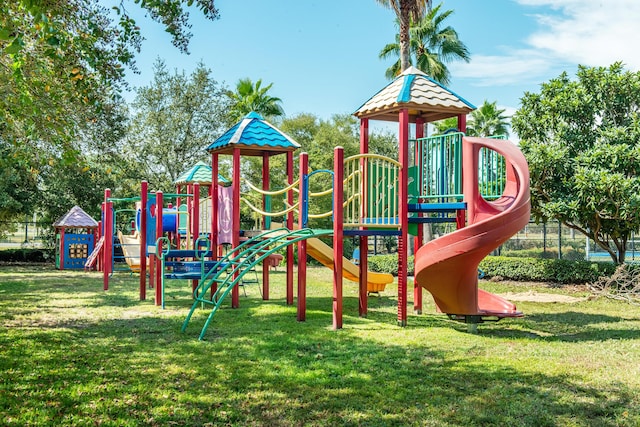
(170, 237)
(480, 184)
(75, 238)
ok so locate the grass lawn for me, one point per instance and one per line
(72, 354)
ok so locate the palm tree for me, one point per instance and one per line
(445, 125)
(406, 11)
(431, 46)
(488, 120)
(250, 97)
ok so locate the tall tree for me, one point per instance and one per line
(62, 67)
(174, 119)
(431, 47)
(446, 125)
(406, 11)
(62, 59)
(582, 141)
(488, 120)
(250, 96)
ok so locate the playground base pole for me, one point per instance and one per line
(302, 244)
(159, 272)
(338, 196)
(108, 239)
(214, 214)
(144, 192)
(403, 214)
(418, 241)
(235, 295)
(363, 241)
(290, 227)
(266, 223)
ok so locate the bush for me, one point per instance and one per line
(26, 255)
(519, 269)
(545, 270)
(389, 264)
(568, 253)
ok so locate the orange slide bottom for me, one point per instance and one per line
(376, 282)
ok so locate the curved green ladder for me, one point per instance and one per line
(228, 272)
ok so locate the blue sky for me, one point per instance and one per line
(322, 56)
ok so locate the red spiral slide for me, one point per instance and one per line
(448, 266)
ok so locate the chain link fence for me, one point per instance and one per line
(544, 240)
(30, 234)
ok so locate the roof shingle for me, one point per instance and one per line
(254, 136)
(76, 217)
(421, 95)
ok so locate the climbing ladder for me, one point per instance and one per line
(229, 271)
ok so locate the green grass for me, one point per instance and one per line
(72, 354)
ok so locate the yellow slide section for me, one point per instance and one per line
(131, 250)
(376, 282)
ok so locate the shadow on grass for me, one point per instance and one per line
(257, 372)
(259, 366)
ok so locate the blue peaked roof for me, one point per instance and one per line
(253, 136)
(200, 173)
(421, 95)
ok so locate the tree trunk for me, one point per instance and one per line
(405, 20)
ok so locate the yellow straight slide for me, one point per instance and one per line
(376, 282)
(131, 250)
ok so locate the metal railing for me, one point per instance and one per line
(371, 201)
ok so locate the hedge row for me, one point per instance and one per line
(545, 270)
(26, 255)
(519, 269)
(388, 264)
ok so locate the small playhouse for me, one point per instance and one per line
(75, 239)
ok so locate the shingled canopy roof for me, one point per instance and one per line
(254, 136)
(76, 218)
(421, 95)
(200, 173)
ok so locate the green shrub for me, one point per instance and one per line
(568, 253)
(545, 270)
(26, 255)
(519, 269)
(389, 264)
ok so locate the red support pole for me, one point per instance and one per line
(159, 272)
(363, 241)
(266, 224)
(338, 196)
(61, 248)
(461, 218)
(108, 239)
(144, 193)
(235, 293)
(214, 212)
(178, 203)
(189, 228)
(462, 123)
(461, 214)
(404, 216)
(99, 236)
(289, 272)
(302, 244)
(418, 241)
(196, 224)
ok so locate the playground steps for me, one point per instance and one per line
(441, 209)
(231, 269)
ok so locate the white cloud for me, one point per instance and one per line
(489, 70)
(570, 32)
(588, 32)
